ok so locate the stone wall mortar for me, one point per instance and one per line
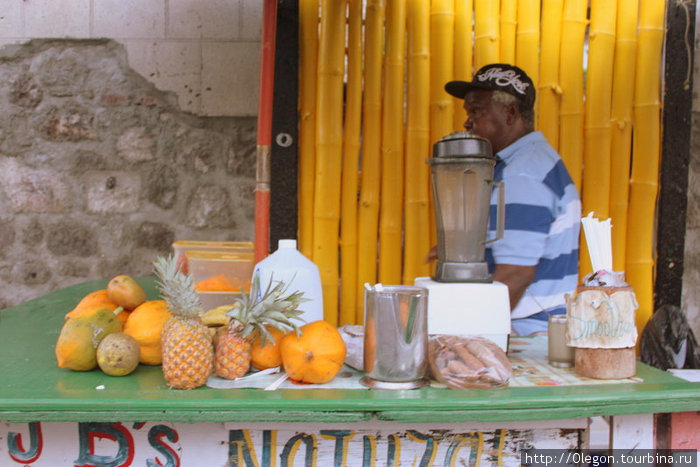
(100, 171)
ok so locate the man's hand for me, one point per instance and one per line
(517, 278)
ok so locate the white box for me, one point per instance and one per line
(468, 309)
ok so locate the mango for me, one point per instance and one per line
(126, 292)
(77, 343)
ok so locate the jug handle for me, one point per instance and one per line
(500, 211)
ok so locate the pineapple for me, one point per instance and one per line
(252, 314)
(188, 354)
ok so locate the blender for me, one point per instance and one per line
(462, 298)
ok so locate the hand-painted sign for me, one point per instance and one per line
(286, 444)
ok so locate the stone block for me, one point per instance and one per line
(112, 192)
(135, 145)
(230, 75)
(251, 20)
(210, 206)
(70, 238)
(67, 124)
(213, 19)
(30, 272)
(155, 236)
(11, 23)
(49, 18)
(162, 187)
(7, 234)
(129, 18)
(33, 233)
(173, 66)
(33, 190)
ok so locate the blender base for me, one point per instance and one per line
(468, 309)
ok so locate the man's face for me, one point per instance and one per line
(486, 118)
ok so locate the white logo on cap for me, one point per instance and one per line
(504, 78)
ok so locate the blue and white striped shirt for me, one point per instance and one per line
(543, 218)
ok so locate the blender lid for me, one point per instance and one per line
(463, 144)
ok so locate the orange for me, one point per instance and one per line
(316, 356)
(268, 355)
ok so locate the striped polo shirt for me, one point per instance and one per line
(543, 218)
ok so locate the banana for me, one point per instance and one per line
(217, 316)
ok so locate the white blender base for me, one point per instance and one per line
(468, 309)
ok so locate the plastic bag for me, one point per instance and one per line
(354, 338)
(468, 362)
(668, 341)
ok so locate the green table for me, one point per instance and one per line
(34, 389)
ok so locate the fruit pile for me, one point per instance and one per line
(117, 328)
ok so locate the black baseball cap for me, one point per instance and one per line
(497, 77)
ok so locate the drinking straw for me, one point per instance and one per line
(598, 241)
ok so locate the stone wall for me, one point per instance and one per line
(100, 171)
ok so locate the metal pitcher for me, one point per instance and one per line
(396, 337)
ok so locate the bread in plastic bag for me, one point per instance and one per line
(468, 362)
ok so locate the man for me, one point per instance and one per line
(538, 256)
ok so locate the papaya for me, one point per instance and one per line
(94, 300)
(80, 336)
(145, 325)
(126, 292)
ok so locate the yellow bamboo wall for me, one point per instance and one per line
(597, 68)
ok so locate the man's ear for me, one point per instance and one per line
(512, 113)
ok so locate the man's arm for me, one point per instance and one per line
(517, 278)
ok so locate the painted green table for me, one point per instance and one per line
(34, 389)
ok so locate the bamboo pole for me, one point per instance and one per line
(571, 79)
(463, 55)
(549, 88)
(441, 71)
(391, 207)
(486, 33)
(368, 209)
(621, 115)
(645, 157)
(351, 157)
(527, 51)
(597, 136)
(508, 23)
(329, 136)
(417, 198)
(308, 34)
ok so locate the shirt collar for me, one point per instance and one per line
(506, 154)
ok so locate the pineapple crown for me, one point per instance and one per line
(176, 288)
(273, 307)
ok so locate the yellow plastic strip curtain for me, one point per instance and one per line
(646, 157)
(391, 205)
(596, 157)
(621, 121)
(416, 179)
(351, 157)
(329, 142)
(308, 45)
(372, 104)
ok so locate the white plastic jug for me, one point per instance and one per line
(298, 272)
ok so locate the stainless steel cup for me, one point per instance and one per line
(396, 337)
(559, 354)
